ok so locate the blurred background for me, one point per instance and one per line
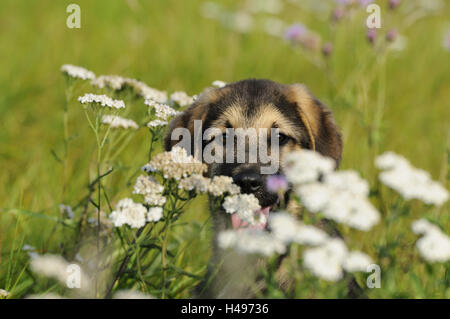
(389, 90)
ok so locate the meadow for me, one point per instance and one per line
(389, 91)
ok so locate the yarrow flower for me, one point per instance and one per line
(163, 111)
(154, 214)
(223, 184)
(102, 99)
(306, 166)
(244, 205)
(181, 98)
(329, 260)
(175, 164)
(77, 72)
(341, 196)
(410, 182)
(129, 213)
(287, 229)
(219, 83)
(195, 182)
(251, 241)
(434, 246)
(4, 294)
(157, 123)
(117, 82)
(119, 122)
(151, 190)
(57, 267)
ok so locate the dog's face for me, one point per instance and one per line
(300, 120)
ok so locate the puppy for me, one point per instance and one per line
(301, 122)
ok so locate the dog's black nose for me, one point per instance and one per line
(249, 182)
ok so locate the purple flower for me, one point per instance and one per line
(295, 32)
(277, 184)
(446, 41)
(393, 4)
(371, 35)
(338, 14)
(391, 35)
(327, 49)
(365, 3)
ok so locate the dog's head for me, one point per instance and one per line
(300, 120)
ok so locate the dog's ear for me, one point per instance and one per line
(319, 121)
(196, 111)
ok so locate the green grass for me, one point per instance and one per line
(170, 46)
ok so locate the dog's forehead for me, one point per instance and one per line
(253, 104)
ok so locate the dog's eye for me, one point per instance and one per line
(283, 139)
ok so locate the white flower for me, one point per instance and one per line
(354, 211)
(306, 166)
(410, 182)
(390, 160)
(198, 182)
(326, 261)
(102, 99)
(423, 226)
(56, 267)
(314, 196)
(156, 123)
(115, 82)
(117, 121)
(219, 83)
(250, 241)
(154, 214)
(4, 294)
(347, 181)
(163, 111)
(130, 213)
(244, 205)
(434, 246)
(181, 98)
(356, 261)
(151, 190)
(77, 72)
(131, 294)
(287, 229)
(222, 184)
(175, 164)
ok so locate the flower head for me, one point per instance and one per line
(219, 84)
(277, 184)
(181, 98)
(249, 241)
(102, 99)
(119, 122)
(163, 111)
(175, 164)
(434, 246)
(77, 72)
(244, 205)
(129, 213)
(151, 190)
(306, 166)
(154, 214)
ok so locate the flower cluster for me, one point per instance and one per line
(157, 123)
(117, 82)
(55, 266)
(102, 99)
(4, 294)
(175, 164)
(77, 72)
(410, 182)
(119, 122)
(251, 241)
(181, 98)
(134, 214)
(340, 196)
(150, 189)
(245, 207)
(328, 261)
(163, 111)
(434, 246)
